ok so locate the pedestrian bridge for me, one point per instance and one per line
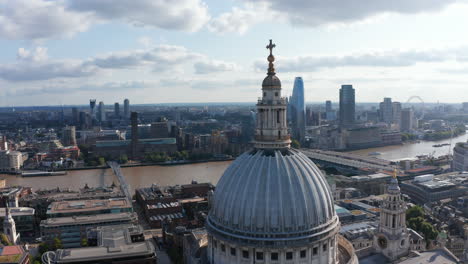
(347, 159)
(122, 182)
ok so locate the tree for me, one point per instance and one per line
(84, 242)
(415, 211)
(57, 243)
(123, 159)
(429, 231)
(101, 161)
(43, 248)
(416, 223)
(5, 241)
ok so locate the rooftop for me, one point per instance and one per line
(438, 256)
(114, 243)
(87, 205)
(87, 219)
(120, 143)
(12, 254)
(17, 211)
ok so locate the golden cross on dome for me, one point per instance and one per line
(271, 46)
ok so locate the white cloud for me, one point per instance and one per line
(239, 20)
(32, 71)
(44, 19)
(38, 54)
(188, 15)
(39, 19)
(394, 58)
(35, 65)
(70, 88)
(315, 13)
(320, 12)
(211, 66)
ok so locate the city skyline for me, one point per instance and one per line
(88, 50)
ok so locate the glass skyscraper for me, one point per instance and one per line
(347, 105)
(298, 110)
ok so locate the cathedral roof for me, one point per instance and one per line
(272, 193)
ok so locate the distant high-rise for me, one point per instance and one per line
(75, 116)
(85, 120)
(298, 110)
(386, 111)
(407, 120)
(396, 113)
(69, 136)
(92, 106)
(347, 105)
(330, 114)
(160, 129)
(134, 124)
(101, 112)
(126, 108)
(117, 110)
(328, 106)
(465, 107)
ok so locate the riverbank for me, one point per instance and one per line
(136, 164)
(410, 150)
(136, 176)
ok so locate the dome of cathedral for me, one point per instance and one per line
(271, 82)
(272, 195)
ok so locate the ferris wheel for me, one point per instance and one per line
(423, 108)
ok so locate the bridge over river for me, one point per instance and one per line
(349, 160)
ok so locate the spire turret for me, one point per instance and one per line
(271, 128)
(9, 226)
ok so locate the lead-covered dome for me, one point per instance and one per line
(270, 196)
(271, 82)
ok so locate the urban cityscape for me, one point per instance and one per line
(260, 166)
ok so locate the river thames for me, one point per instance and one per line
(202, 172)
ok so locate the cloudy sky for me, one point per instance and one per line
(160, 51)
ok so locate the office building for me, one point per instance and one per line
(75, 116)
(386, 111)
(92, 108)
(88, 207)
(160, 129)
(465, 107)
(460, 157)
(396, 113)
(330, 114)
(116, 148)
(127, 108)
(298, 110)
(429, 188)
(110, 244)
(135, 135)
(71, 230)
(10, 161)
(347, 105)
(69, 136)
(407, 120)
(101, 112)
(24, 219)
(117, 110)
(84, 120)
